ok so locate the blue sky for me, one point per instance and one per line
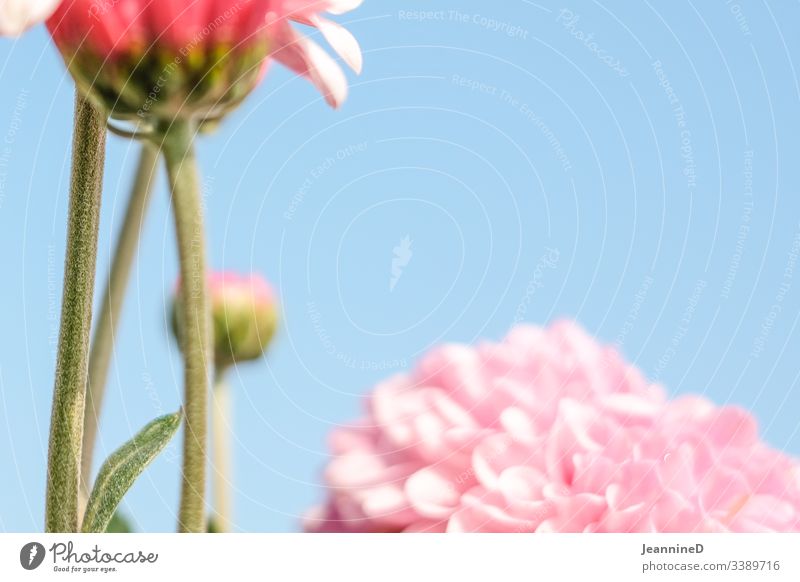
(629, 165)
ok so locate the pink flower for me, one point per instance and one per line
(244, 314)
(549, 431)
(152, 60)
(113, 29)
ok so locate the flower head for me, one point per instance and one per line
(549, 431)
(152, 61)
(244, 316)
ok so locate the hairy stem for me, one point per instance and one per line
(222, 450)
(66, 423)
(195, 314)
(102, 345)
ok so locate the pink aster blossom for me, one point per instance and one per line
(549, 431)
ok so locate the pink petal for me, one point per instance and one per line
(351, 438)
(16, 16)
(427, 527)
(342, 41)
(631, 408)
(388, 506)
(342, 6)
(521, 483)
(772, 513)
(573, 512)
(364, 470)
(487, 519)
(497, 453)
(518, 425)
(308, 59)
(733, 427)
(433, 494)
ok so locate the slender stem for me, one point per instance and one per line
(66, 423)
(102, 345)
(195, 314)
(222, 453)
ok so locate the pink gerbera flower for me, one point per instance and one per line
(154, 59)
(549, 431)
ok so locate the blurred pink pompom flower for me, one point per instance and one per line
(549, 431)
(199, 57)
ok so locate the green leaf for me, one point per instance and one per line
(119, 524)
(123, 467)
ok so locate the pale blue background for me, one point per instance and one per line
(474, 180)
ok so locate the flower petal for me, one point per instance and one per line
(342, 6)
(341, 40)
(16, 16)
(432, 493)
(309, 59)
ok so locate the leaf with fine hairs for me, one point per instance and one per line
(123, 467)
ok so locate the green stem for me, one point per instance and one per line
(196, 339)
(222, 465)
(66, 423)
(102, 345)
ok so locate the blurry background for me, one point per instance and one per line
(630, 165)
